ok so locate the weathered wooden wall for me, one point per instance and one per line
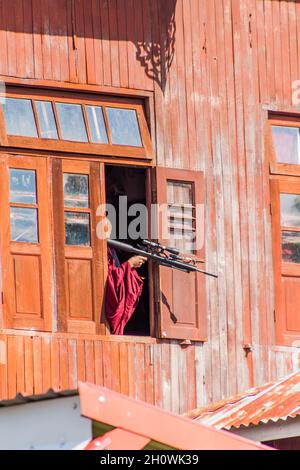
(161, 373)
(222, 64)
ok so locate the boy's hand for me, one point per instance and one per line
(137, 261)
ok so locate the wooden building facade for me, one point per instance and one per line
(213, 87)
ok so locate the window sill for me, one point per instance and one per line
(91, 337)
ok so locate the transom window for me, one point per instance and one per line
(286, 143)
(78, 123)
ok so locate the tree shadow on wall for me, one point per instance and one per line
(149, 24)
(156, 57)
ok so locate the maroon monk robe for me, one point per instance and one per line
(123, 291)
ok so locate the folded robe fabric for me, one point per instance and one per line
(123, 291)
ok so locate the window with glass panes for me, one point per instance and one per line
(284, 151)
(79, 123)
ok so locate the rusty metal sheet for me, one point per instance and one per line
(270, 402)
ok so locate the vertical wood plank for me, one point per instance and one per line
(158, 392)
(115, 366)
(29, 371)
(141, 382)
(3, 367)
(55, 364)
(37, 38)
(37, 366)
(20, 359)
(97, 31)
(81, 366)
(114, 43)
(72, 364)
(46, 363)
(149, 373)
(12, 368)
(89, 42)
(124, 372)
(98, 363)
(107, 76)
(63, 364)
(89, 361)
(107, 372)
(131, 370)
(166, 375)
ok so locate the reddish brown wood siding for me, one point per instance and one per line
(231, 61)
(156, 372)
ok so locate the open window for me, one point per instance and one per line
(179, 311)
(131, 183)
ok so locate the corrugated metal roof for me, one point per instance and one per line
(270, 402)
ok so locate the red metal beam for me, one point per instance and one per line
(118, 439)
(119, 411)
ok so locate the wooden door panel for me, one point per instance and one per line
(182, 296)
(80, 262)
(185, 297)
(291, 299)
(26, 249)
(27, 277)
(79, 275)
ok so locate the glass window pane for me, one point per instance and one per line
(46, 120)
(181, 216)
(22, 185)
(290, 210)
(71, 122)
(124, 127)
(286, 143)
(23, 224)
(77, 225)
(97, 124)
(19, 117)
(291, 247)
(76, 190)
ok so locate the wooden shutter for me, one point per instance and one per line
(80, 257)
(26, 243)
(285, 203)
(181, 296)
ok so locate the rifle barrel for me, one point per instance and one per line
(169, 262)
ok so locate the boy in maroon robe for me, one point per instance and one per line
(124, 286)
(123, 290)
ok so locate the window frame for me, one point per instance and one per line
(43, 248)
(282, 269)
(83, 98)
(277, 168)
(283, 178)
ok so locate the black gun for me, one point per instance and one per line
(162, 255)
